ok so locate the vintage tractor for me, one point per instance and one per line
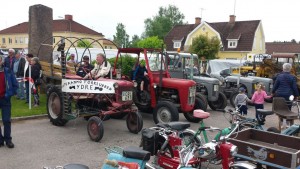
(95, 99)
(164, 96)
(186, 66)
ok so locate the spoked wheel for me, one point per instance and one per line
(134, 122)
(188, 137)
(198, 105)
(95, 128)
(221, 103)
(55, 106)
(165, 112)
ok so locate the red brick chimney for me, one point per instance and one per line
(231, 19)
(69, 17)
(197, 20)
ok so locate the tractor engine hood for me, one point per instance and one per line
(261, 79)
(242, 79)
(208, 80)
(175, 83)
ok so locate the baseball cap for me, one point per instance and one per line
(241, 89)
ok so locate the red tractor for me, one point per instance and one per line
(163, 96)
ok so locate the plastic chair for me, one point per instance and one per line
(281, 109)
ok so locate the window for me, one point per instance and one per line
(16, 40)
(53, 40)
(26, 40)
(3, 40)
(177, 44)
(105, 47)
(21, 39)
(232, 43)
(9, 40)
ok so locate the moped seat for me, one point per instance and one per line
(265, 112)
(76, 166)
(136, 152)
(176, 125)
(198, 113)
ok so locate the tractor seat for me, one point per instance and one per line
(265, 112)
(198, 113)
(76, 166)
(175, 125)
(136, 152)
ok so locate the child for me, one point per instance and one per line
(241, 101)
(258, 99)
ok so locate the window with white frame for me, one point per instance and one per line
(232, 43)
(177, 44)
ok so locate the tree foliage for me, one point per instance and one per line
(150, 42)
(204, 46)
(84, 43)
(134, 41)
(121, 37)
(163, 22)
(125, 63)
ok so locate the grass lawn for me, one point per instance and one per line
(20, 109)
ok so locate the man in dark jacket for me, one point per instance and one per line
(10, 59)
(8, 88)
(139, 76)
(285, 84)
(85, 68)
(19, 72)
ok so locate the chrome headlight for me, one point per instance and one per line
(233, 150)
(116, 85)
(192, 91)
(135, 84)
(154, 85)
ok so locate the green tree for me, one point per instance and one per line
(84, 43)
(163, 22)
(121, 37)
(134, 41)
(204, 46)
(125, 63)
(150, 42)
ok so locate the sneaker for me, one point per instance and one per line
(10, 144)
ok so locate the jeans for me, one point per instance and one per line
(27, 91)
(258, 116)
(21, 93)
(5, 106)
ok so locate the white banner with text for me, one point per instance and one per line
(87, 86)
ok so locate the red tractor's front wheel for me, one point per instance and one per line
(95, 128)
(134, 122)
(165, 112)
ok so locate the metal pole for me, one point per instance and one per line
(29, 69)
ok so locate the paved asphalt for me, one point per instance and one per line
(38, 143)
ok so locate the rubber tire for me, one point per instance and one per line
(189, 135)
(273, 129)
(54, 92)
(170, 107)
(222, 99)
(232, 98)
(136, 119)
(198, 105)
(143, 108)
(204, 100)
(98, 134)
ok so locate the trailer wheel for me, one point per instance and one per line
(165, 112)
(232, 98)
(221, 103)
(198, 105)
(134, 122)
(204, 101)
(95, 128)
(55, 106)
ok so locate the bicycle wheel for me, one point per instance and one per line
(188, 137)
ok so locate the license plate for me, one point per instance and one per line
(127, 96)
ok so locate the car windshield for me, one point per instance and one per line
(155, 60)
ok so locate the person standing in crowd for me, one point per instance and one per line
(72, 59)
(241, 101)
(285, 84)
(19, 73)
(26, 75)
(85, 68)
(258, 99)
(101, 69)
(36, 74)
(10, 59)
(8, 88)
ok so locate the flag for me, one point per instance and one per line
(31, 84)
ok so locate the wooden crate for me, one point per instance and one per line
(53, 71)
(267, 148)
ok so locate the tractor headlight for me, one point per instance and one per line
(154, 85)
(216, 87)
(116, 85)
(135, 84)
(233, 150)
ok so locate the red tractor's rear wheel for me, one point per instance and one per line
(95, 128)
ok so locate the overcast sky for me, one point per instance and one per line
(280, 18)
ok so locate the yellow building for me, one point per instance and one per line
(238, 38)
(17, 36)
